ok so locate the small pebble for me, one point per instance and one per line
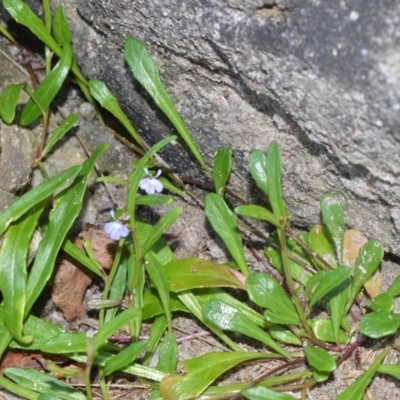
(87, 111)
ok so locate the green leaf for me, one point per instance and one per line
(258, 169)
(383, 302)
(356, 390)
(394, 288)
(61, 31)
(266, 292)
(367, 262)
(191, 273)
(81, 257)
(157, 329)
(152, 305)
(323, 330)
(274, 168)
(336, 303)
(332, 215)
(48, 88)
(160, 228)
(9, 100)
(168, 354)
(331, 280)
(13, 271)
(193, 305)
(222, 169)
(22, 205)
(118, 286)
(224, 224)
(59, 133)
(145, 71)
(65, 343)
(21, 12)
(158, 276)
(125, 357)
(110, 327)
(41, 331)
(320, 359)
(220, 294)
(390, 369)
(263, 393)
(319, 240)
(231, 319)
(101, 93)
(257, 212)
(298, 272)
(200, 375)
(153, 200)
(284, 335)
(67, 206)
(43, 383)
(379, 324)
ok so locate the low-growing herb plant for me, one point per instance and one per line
(312, 318)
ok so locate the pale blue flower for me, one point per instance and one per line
(151, 184)
(116, 228)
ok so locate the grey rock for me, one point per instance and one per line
(320, 78)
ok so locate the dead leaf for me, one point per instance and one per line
(71, 279)
(20, 359)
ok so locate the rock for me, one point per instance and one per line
(320, 78)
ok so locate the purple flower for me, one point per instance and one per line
(151, 184)
(116, 228)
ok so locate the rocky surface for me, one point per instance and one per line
(322, 79)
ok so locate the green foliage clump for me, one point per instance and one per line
(305, 322)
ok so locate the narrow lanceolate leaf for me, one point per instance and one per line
(356, 390)
(257, 212)
(330, 281)
(367, 262)
(266, 292)
(22, 205)
(67, 207)
(145, 71)
(320, 359)
(274, 170)
(224, 223)
(109, 328)
(168, 354)
(13, 271)
(337, 305)
(48, 88)
(125, 357)
(200, 375)
(160, 228)
(195, 273)
(21, 12)
(59, 133)
(379, 324)
(158, 277)
(43, 383)
(332, 215)
(258, 169)
(222, 169)
(101, 93)
(229, 318)
(9, 100)
(61, 31)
